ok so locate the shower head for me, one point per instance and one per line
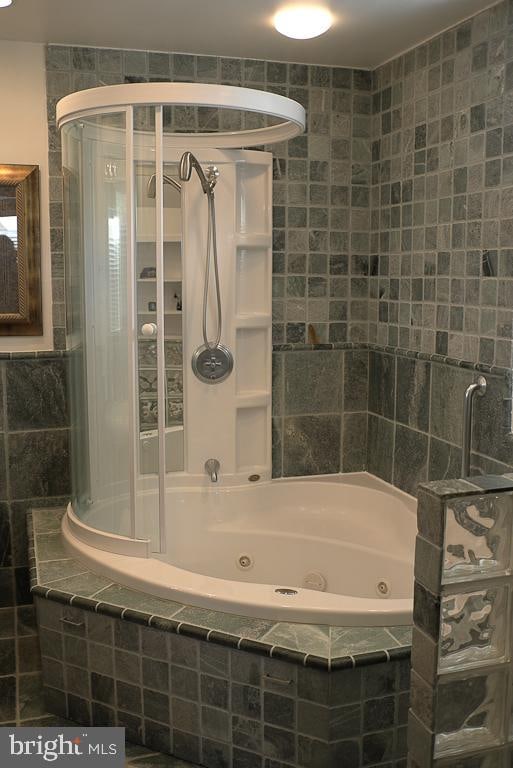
(151, 187)
(185, 168)
(188, 162)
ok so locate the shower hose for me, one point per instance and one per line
(211, 256)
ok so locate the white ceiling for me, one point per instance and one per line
(366, 32)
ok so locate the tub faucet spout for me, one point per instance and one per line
(212, 467)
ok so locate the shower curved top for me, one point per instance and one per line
(290, 113)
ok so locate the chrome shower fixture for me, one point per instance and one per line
(208, 180)
(212, 362)
(151, 187)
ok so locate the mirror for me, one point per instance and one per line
(20, 253)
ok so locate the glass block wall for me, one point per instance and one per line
(462, 671)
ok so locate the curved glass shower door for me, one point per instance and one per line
(97, 275)
(138, 239)
(124, 284)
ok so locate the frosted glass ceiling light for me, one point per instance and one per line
(5, 3)
(303, 21)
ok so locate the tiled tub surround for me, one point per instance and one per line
(462, 674)
(395, 413)
(214, 688)
(33, 471)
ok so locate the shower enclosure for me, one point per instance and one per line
(138, 228)
(169, 277)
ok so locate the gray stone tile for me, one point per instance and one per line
(84, 584)
(307, 638)
(447, 392)
(47, 520)
(382, 384)
(225, 622)
(356, 373)
(347, 641)
(313, 382)
(412, 395)
(59, 569)
(401, 634)
(138, 601)
(39, 464)
(410, 458)
(380, 447)
(354, 442)
(49, 547)
(311, 445)
(36, 394)
(444, 460)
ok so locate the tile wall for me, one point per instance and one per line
(397, 415)
(34, 471)
(392, 220)
(321, 191)
(319, 411)
(441, 276)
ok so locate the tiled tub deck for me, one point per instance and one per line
(213, 688)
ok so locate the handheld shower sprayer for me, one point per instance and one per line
(212, 362)
(208, 181)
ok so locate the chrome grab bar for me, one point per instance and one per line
(478, 388)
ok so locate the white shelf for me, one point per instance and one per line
(154, 279)
(152, 239)
(166, 312)
(256, 240)
(253, 399)
(256, 320)
(168, 337)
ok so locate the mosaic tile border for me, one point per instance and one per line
(496, 370)
(370, 640)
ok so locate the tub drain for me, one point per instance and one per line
(383, 588)
(286, 591)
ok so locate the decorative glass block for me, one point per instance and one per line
(473, 627)
(173, 352)
(469, 713)
(477, 536)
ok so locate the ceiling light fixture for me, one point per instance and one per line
(303, 21)
(5, 3)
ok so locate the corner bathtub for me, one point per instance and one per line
(334, 549)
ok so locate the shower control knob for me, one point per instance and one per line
(212, 364)
(149, 329)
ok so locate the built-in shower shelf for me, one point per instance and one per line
(154, 279)
(154, 314)
(254, 399)
(167, 337)
(151, 239)
(252, 321)
(253, 240)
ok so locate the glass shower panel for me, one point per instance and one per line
(75, 317)
(173, 298)
(147, 325)
(147, 302)
(95, 191)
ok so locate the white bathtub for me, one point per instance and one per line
(341, 546)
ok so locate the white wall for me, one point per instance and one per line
(24, 140)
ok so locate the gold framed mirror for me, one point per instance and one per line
(20, 251)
